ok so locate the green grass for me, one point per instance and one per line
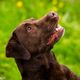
(67, 50)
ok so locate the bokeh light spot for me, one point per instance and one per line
(19, 4)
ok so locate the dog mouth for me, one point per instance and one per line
(55, 35)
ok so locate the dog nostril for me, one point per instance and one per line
(51, 14)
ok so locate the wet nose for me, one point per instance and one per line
(53, 15)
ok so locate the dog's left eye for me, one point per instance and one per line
(28, 28)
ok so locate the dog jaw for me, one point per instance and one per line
(57, 34)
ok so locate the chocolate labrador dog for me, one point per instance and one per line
(30, 45)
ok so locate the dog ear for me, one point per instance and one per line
(15, 49)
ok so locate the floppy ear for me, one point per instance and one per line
(15, 49)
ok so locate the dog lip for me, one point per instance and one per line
(56, 18)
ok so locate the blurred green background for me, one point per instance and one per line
(67, 50)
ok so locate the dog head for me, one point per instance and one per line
(34, 36)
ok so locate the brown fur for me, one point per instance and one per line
(30, 45)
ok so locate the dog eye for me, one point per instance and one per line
(28, 28)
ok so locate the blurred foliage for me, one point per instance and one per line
(67, 50)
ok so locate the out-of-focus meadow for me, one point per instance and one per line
(67, 50)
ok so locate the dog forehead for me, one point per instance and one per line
(28, 23)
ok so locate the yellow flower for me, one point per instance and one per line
(55, 2)
(19, 4)
(61, 4)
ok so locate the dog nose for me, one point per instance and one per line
(53, 15)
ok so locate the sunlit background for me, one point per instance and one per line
(67, 50)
